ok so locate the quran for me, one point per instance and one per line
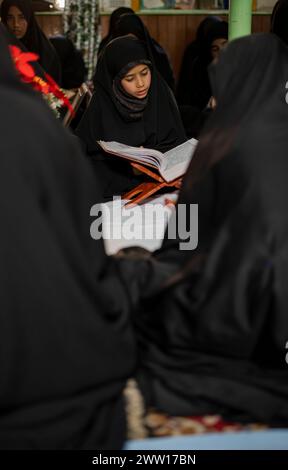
(170, 165)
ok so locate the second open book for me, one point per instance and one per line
(170, 165)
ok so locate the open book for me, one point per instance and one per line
(171, 164)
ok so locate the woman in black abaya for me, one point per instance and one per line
(66, 345)
(18, 16)
(152, 121)
(214, 341)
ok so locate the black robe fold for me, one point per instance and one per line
(214, 341)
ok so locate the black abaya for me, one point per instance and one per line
(66, 345)
(215, 342)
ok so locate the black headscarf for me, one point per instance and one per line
(132, 24)
(159, 126)
(34, 39)
(66, 348)
(199, 92)
(216, 341)
(13, 41)
(279, 19)
(115, 15)
(130, 108)
(191, 52)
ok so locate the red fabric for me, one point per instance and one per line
(27, 74)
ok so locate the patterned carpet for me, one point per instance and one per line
(155, 424)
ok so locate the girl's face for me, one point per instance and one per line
(217, 46)
(16, 22)
(137, 81)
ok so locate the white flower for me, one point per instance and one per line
(54, 103)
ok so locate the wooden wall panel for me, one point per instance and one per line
(172, 37)
(152, 23)
(261, 24)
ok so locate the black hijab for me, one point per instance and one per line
(159, 125)
(190, 54)
(279, 19)
(216, 342)
(132, 24)
(34, 39)
(200, 89)
(115, 15)
(13, 41)
(66, 348)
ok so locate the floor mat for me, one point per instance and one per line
(152, 423)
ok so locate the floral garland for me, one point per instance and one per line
(82, 25)
(49, 89)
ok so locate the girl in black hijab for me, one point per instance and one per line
(151, 121)
(214, 342)
(18, 16)
(66, 345)
(279, 19)
(132, 24)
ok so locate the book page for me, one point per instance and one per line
(137, 154)
(177, 160)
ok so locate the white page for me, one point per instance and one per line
(141, 154)
(177, 160)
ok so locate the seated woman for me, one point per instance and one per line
(131, 104)
(214, 341)
(18, 16)
(67, 346)
(132, 24)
